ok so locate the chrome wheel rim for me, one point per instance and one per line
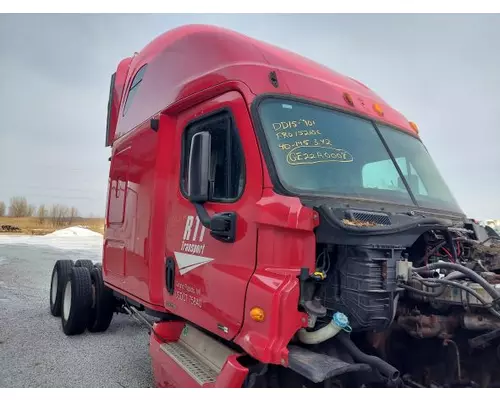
(53, 291)
(67, 300)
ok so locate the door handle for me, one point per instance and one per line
(170, 275)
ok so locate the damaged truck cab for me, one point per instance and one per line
(283, 224)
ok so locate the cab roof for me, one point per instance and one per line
(192, 58)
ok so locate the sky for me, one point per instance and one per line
(441, 71)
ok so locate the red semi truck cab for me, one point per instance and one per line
(227, 156)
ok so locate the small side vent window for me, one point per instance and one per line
(134, 87)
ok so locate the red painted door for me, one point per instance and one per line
(211, 276)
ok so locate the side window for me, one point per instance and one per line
(383, 175)
(227, 169)
(134, 87)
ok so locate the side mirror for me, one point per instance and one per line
(222, 226)
(199, 168)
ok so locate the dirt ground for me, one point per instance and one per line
(33, 226)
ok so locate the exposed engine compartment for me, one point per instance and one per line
(421, 294)
(361, 282)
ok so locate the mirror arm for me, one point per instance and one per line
(203, 215)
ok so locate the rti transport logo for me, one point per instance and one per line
(192, 246)
(194, 232)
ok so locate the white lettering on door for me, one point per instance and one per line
(193, 235)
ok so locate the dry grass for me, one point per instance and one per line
(32, 226)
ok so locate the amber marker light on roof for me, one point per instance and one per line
(348, 99)
(378, 109)
(414, 127)
(257, 314)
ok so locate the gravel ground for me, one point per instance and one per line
(34, 352)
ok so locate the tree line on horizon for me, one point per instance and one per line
(55, 214)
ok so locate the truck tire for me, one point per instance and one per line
(60, 274)
(76, 301)
(103, 305)
(85, 263)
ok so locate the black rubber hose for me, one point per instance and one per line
(466, 271)
(442, 283)
(467, 289)
(377, 363)
(423, 292)
(451, 245)
(429, 274)
(423, 275)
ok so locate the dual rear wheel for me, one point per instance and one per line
(78, 295)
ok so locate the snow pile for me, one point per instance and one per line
(74, 231)
(77, 242)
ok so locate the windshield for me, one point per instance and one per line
(316, 150)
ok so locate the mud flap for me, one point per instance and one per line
(318, 367)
